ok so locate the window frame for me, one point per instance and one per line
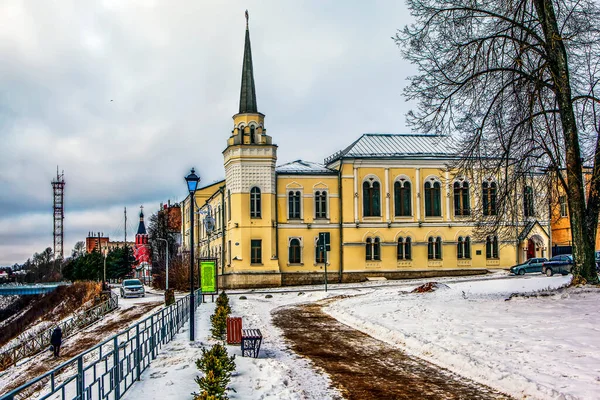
(402, 195)
(295, 251)
(373, 249)
(294, 204)
(463, 248)
(528, 202)
(253, 257)
(433, 197)
(255, 202)
(434, 248)
(321, 204)
(563, 206)
(489, 192)
(404, 250)
(462, 201)
(491, 248)
(371, 197)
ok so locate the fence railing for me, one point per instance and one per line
(39, 342)
(109, 369)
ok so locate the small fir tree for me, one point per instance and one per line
(219, 323)
(223, 301)
(217, 367)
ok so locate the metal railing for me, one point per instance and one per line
(40, 341)
(109, 369)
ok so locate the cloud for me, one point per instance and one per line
(125, 97)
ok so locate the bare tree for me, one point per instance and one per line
(516, 82)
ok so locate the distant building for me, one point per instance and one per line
(561, 222)
(99, 242)
(172, 214)
(141, 252)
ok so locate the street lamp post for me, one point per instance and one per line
(167, 263)
(192, 182)
(104, 252)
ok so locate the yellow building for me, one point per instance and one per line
(389, 202)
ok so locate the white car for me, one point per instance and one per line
(132, 287)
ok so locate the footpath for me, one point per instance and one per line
(362, 367)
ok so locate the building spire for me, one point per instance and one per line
(247, 92)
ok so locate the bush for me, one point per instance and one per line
(223, 301)
(219, 323)
(217, 367)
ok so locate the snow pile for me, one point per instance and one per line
(536, 347)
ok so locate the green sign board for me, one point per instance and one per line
(208, 276)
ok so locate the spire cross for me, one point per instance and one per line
(247, 17)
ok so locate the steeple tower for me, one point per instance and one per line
(249, 161)
(247, 92)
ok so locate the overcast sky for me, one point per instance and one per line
(127, 96)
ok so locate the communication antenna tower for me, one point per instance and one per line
(58, 187)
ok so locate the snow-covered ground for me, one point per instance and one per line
(536, 347)
(276, 374)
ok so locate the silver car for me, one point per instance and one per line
(132, 287)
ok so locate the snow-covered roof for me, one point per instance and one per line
(301, 167)
(376, 145)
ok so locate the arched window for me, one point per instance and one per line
(489, 198)
(432, 199)
(295, 252)
(402, 206)
(404, 250)
(461, 199)
(491, 247)
(320, 204)
(434, 248)
(373, 249)
(371, 199)
(294, 205)
(528, 208)
(252, 139)
(255, 202)
(463, 247)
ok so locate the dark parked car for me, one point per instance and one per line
(132, 287)
(529, 266)
(558, 264)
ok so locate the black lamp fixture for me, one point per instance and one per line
(192, 183)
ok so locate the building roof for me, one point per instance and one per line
(141, 227)
(247, 91)
(377, 145)
(300, 167)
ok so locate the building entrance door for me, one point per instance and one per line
(530, 249)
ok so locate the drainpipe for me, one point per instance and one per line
(223, 229)
(276, 223)
(341, 228)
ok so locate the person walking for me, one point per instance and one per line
(56, 340)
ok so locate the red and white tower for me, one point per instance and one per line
(141, 251)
